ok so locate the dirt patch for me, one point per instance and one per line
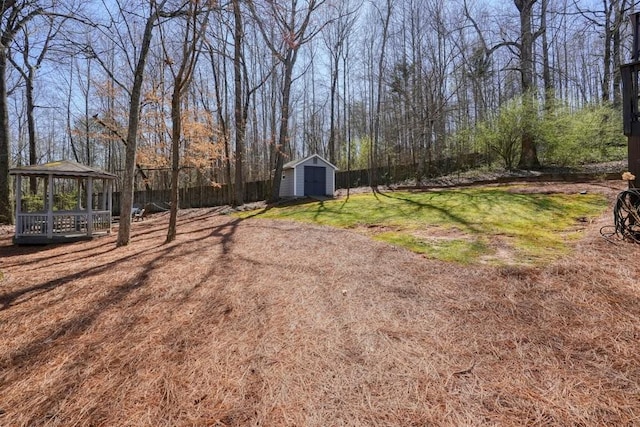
(501, 252)
(425, 232)
(257, 322)
(608, 188)
(439, 233)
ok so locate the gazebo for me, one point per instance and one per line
(61, 201)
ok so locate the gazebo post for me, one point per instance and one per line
(101, 201)
(79, 198)
(18, 204)
(45, 200)
(110, 200)
(50, 206)
(77, 224)
(89, 206)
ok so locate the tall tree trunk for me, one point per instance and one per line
(547, 77)
(332, 101)
(528, 150)
(606, 73)
(128, 179)
(13, 25)
(87, 137)
(217, 83)
(240, 110)
(31, 127)
(69, 131)
(6, 211)
(373, 178)
(181, 81)
(283, 132)
(176, 132)
(294, 37)
(619, 16)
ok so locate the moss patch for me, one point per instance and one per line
(460, 250)
(539, 227)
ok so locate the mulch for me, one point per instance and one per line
(260, 322)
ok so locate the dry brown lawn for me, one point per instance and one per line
(274, 323)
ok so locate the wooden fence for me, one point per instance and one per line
(396, 174)
(195, 197)
(208, 195)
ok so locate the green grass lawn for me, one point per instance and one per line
(465, 226)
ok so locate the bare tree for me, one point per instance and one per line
(14, 15)
(196, 18)
(547, 78)
(608, 19)
(126, 199)
(217, 61)
(524, 48)
(137, 60)
(385, 18)
(28, 70)
(528, 150)
(293, 23)
(335, 36)
(241, 109)
(243, 92)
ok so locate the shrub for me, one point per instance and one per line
(502, 134)
(592, 134)
(564, 137)
(65, 201)
(32, 203)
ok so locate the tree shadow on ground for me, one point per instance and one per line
(74, 334)
(33, 352)
(446, 213)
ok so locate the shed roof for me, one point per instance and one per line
(62, 168)
(292, 164)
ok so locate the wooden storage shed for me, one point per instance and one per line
(311, 176)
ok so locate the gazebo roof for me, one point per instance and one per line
(65, 168)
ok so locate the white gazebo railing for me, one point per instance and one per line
(63, 224)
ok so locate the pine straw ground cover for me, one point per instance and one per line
(273, 323)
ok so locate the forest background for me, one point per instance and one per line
(180, 93)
